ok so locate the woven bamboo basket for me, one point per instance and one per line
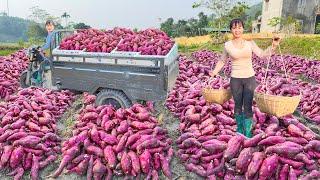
(278, 106)
(218, 96)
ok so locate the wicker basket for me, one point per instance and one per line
(218, 96)
(277, 105)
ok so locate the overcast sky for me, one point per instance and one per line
(109, 13)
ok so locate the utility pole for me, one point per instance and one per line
(8, 7)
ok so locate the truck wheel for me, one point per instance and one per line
(116, 98)
(23, 78)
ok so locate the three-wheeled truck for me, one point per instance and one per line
(117, 78)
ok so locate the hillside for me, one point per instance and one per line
(13, 29)
(253, 10)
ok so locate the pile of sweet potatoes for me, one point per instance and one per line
(147, 42)
(123, 142)
(10, 70)
(92, 40)
(28, 130)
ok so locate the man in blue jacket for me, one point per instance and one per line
(50, 29)
(45, 63)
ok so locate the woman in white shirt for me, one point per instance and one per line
(243, 82)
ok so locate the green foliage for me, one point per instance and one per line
(190, 27)
(36, 33)
(318, 29)
(81, 26)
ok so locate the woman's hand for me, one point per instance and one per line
(275, 41)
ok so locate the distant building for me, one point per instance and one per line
(307, 12)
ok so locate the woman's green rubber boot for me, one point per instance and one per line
(248, 127)
(240, 123)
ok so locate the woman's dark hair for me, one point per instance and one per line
(49, 22)
(235, 22)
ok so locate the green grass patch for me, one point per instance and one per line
(308, 47)
(7, 52)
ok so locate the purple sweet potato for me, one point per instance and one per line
(99, 169)
(254, 166)
(314, 144)
(268, 166)
(286, 149)
(219, 166)
(190, 142)
(122, 142)
(315, 174)
(7, 150)
(67, 157)
(225, 120)
(35, 167)
(272, 140)
(253, 141)
(48, 160)
(298, 140)
(295, 131)
(28, 141)
(95, 150)
(214, 145)
(90, 167)
(211, 157)
(208, 130)
(108, 138)
(126, 164)
(18, 124)
(233, 147)
(271, 129)
(292, 174)
(132, 138)
(81, 167)
(145, 161)
(196, 169)
(284, 172)
(165, 166)
(303, 158)
(135, 162)
(295, 164)
(156, 161)
(110, 157)
(244, 159)
(142, 125)
(19, 174)
(152, 143)
(206, 123)
(16, 157)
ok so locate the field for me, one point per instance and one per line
(184, 114)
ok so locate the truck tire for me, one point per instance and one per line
(114, 97)
(23, 78)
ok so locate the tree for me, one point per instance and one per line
(218, 7)
(3, 14)
(81, 26)
(65, 16)
(36, 32)
(258, 13)
(203, 21)
(168, 26)
(274, 22)
(38, 15)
